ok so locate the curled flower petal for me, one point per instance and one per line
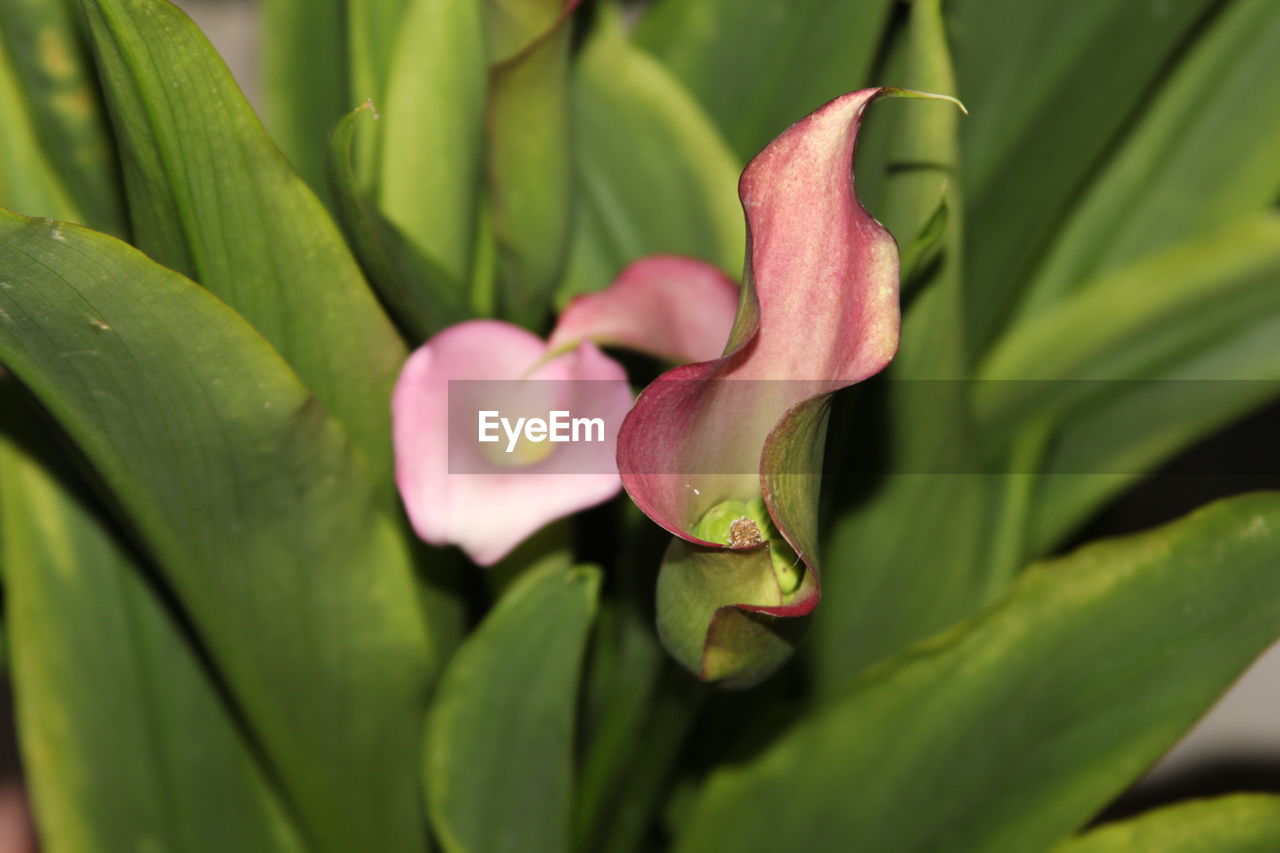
(497, 502)
(676, 308)
(819, 312)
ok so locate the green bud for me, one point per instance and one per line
(700, 621)
(702, 592)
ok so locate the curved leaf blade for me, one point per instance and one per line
(654, 176)
(1136, 366)
(1237, 824)
(231, 213)
(1135, 323)
(758, 65)
(1202, 156)
(126, 740)
(305, 85)
(421, 296)
(57, 78)
(499, 746)
(1033, 75)
(432, 132)
(28, 182)
(529, 174)
(1084, 647)
(253, 504)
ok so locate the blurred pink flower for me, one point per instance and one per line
(674, 308)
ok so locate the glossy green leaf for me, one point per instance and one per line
(908, 562)
(57, 80)
(759, 65)
(127, 742)
(28, 182)
(500, 734)
(233, 215)
(924, 247)
(1052, 88)
(432, 130)
(1138, 365)
(529, 152)
(1108, 655)
(1244, 823)
(305, 79)
(1202, 156)
(654, 176)
(621, 686)
(375, 25)
(1135, 322)
(421, 296)
(1105, 449)
(934, 522)
(254, 506)
(372, 28)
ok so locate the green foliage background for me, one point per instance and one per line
(222, 635)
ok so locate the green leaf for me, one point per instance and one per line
(622, 696)
(433, 128)
(126, 740)
(936, 523)
(923, 248)
(372, 29)
(1108, 655)
(529, 153)
(1052, 88)
(1104, 450)
(654, 176)
(28, 181)
(253, 505)
(1244, 823)
(1201, 157)
(232, 214)
(305, 85)
(759, 65)
(61, 93)
(1135, 323)
(1138, 365)
(500, 734)
(421, 296)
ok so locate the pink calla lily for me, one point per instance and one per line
(726, 454)
(487, 503)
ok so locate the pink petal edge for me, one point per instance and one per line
(675, 308)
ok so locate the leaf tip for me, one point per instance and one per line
(898, 92)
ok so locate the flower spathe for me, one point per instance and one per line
(819, 312)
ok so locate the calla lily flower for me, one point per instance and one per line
(726, 454)
(458, 493)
